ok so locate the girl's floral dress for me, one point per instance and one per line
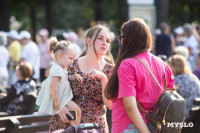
(93, 109)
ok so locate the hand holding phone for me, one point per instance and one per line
(74, 114)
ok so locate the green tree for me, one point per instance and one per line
(4, 14)
(183, 11)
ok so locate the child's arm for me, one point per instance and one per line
(76, 77)
(54, 91)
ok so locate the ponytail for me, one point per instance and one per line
(52, 44)
(84, 52)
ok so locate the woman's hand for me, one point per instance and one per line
(79, 78)
(96, 74)
(62, 114)
(104, 80)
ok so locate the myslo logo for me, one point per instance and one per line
(179, 124)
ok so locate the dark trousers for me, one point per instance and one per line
(42, 74)
(109, 119)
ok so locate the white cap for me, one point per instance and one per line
(179, 30)
(44, 32)
(24, 35)
(70, 36)
(12, 34)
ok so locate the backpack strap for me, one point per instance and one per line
(165, 82)
(151, 72)
(138, 104)
(165, 79)
(141, 108)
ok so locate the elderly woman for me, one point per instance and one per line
(4, 58)
(187, 83)
(13, 102)
(181, 50)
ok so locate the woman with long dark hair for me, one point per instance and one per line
(130, 81)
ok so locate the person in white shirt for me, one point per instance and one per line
(30, 53)
(191, 43)
(14, 49)
(45, 57)
(4, 59)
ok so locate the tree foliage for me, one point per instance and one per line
(183, 11)
(67, 14)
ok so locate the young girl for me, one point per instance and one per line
(56, 91)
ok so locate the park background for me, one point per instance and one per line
(64, 15)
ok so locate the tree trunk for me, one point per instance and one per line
(191, 13)
(124, 10)
(33, 21)
(48, 15)
(162, 9)
(4, 15)
(100, 9)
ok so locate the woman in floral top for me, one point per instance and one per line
(94, 69)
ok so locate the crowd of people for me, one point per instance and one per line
(79, 73)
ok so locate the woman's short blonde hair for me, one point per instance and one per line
(178, 64)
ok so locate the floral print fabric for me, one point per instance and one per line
(93, 110)
(188, 86)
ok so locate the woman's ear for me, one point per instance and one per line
(88, 41)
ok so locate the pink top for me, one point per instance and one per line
(135, 80)
(45, 56)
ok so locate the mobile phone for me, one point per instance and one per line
(74, 114)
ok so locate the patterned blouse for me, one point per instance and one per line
(93, 110)
(189, 88)
(12, 102)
